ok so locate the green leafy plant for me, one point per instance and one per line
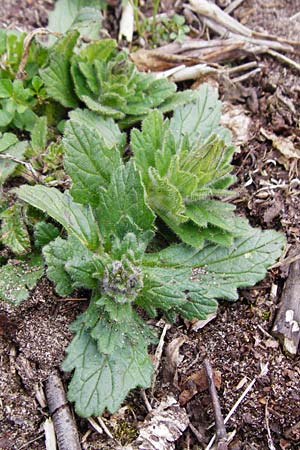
(81, 14)
(106, 81)
(166, 29)
(185, 166)
(110, 224)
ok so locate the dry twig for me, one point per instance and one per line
(27, 42)
(263, 372)
(158, 354)
(221, 434)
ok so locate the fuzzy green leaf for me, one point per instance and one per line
(183, 169)
(123, 199)
(198, 119)
(106, 127)
(89, 161)
(102, 381)
(14, 232)
(8, 166)
(57, 76)
(75, 218)
(69, 265)
(44, 233)
(39, 135)
(67, 13)
(18, 277)
(220, 270)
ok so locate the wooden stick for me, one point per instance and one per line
(158, 354)
(233, 5)
(284, 59)
(64, 424)
(225, 25)
(263, 372)
(287, 323)
(221, 434)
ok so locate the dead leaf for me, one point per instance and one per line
(162, 427)
(284, 145)
(235, 118)
(197, 382)
(199, 324)
(172, 359)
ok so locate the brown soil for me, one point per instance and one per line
(238, 342)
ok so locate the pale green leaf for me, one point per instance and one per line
(44, 233)
(39, 135)
(57, 74)
(124, 198)
(74, 217)
(102, 381)
(7, 140)
(7, 166)
(56, 254)
(69, 265)
(221, 270)
(89, 161)
(106, 127)
(66, 11)
(14, 232)
(18, 277)
(198, 119)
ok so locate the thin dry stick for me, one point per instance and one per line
(213, 12)
(263, 372)
(158, 353)
(27, 42)
(232, 6)
(146, 401)
(245, 76)
(95, 425)
(31, 442)
(183, 73)
(284, 59)
(104, 427)
(270, 440)
(286, 261)
(28, 166)
(221, 434)
(50, 438)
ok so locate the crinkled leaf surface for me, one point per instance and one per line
(199, 118)
(218, 270)
(89, 161)
(106, 127)
(74, 217)
(69, 265)
(185, 162)
(14, 232)
(124, 198)
(66, 12)
(44, 233)
(18, 277)
(57, 76)
(101, 380)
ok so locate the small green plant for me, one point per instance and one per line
(106, 81)
(109, 218)
(168, 29)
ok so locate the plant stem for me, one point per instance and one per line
(136, 16)
(155, 12)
